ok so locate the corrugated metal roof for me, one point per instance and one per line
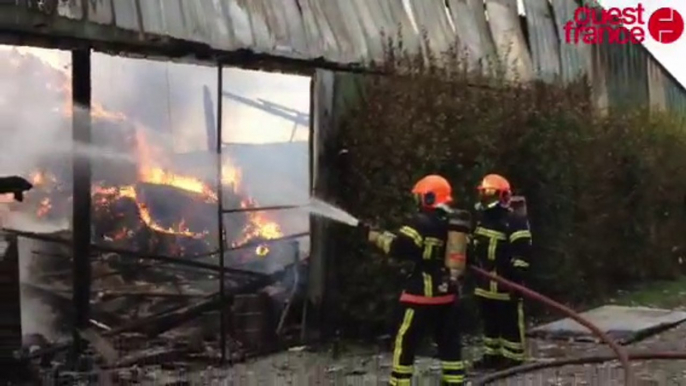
(509, 39)
(432, 19)
(626, 71)
(353, 32)
(676, 100)
(545, 46)
(656, 85)
(471, 27)
(597, 74)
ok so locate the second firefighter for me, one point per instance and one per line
(501, 244)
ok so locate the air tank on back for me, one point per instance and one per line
(460, 225)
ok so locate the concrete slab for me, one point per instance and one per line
(624, 324)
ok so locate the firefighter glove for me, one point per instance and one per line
(15, 185)
(364, 229)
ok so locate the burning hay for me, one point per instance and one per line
(154, 230)
(146, 183)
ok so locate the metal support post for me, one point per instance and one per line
(81, 211)
(220, 218)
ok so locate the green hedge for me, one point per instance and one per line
(605, 191)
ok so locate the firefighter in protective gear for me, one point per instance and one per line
(429, 297)
(501, 244)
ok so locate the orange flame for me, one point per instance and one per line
(41, 178)
(45, 207)
(153, 169)
(110, 194)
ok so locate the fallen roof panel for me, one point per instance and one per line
(623, 324)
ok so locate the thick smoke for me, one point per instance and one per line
(37, 316)
(166, 99)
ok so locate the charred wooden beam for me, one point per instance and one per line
(151, 356)
(61, 299)
(147, 294)
(187, 261)
(156, 324)
(182, 261)
(255, 244)
(101, 345)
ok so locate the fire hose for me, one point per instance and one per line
(591, 359)
(535, 296)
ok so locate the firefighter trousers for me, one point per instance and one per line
(441, 320)
(503, 322)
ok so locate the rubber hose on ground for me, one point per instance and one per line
(594, 359)
(535, 296)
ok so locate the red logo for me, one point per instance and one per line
(666, 25)
(595, 25)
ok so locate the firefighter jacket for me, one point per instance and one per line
(422, 240)
(501, 244)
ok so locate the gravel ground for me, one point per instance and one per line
(360, 367)
(372, 368)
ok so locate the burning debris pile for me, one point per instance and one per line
(148, 189)
(154, 229)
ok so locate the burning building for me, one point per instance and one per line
(143, 206)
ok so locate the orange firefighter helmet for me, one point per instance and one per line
(433, 190)
(494, 189)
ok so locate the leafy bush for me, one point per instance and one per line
(605, 191)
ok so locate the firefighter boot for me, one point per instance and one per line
(507, 363)
(487, 362)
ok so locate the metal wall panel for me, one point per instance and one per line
(472, 29)
(431, 18)
(72, 9)
(545, 46)
(626, 74)
(509, 39)
(410, 37)
(575, 59)
(347, 31)
(174, 22)
(100, 11)
(263, 39)
(126, 15)
(373, 24)
(239, 24)
(318, 29)
(152, 17)
(216, 24)
(656, 86)
(296, 27)
(598, 78)
(676, 100)
(276, 14)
